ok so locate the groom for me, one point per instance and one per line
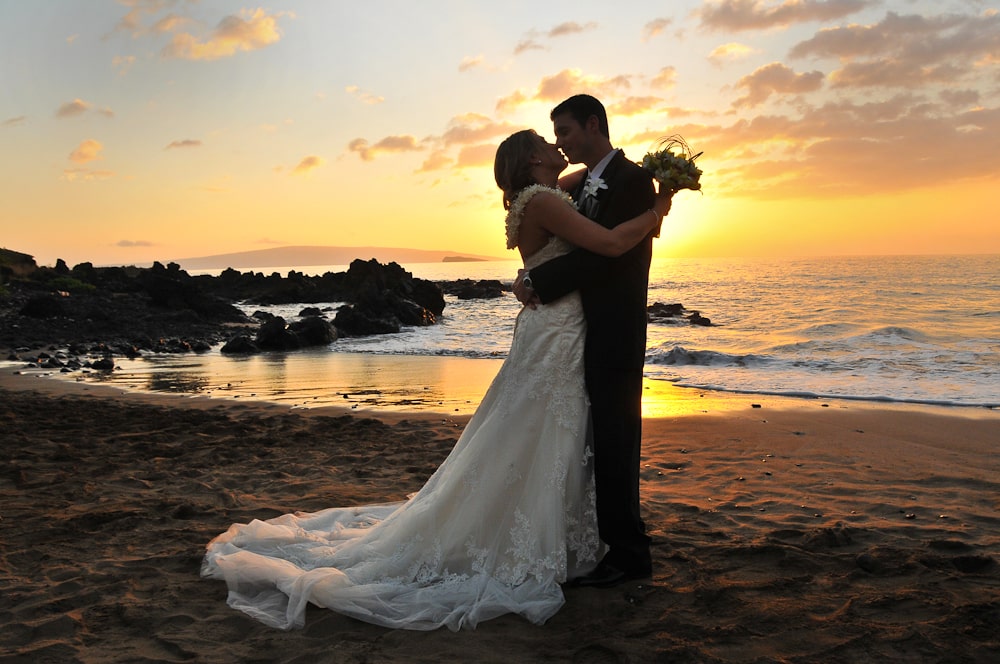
(614, 303)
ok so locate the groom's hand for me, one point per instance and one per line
(524, 295)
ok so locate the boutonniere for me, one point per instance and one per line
(593, 186)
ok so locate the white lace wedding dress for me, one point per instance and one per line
(503, 521)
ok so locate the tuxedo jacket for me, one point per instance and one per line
(613, 290)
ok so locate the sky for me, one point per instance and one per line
(144, 130)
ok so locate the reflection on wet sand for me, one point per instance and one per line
(366, 381)
(313, 378)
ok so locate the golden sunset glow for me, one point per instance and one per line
(146, 130)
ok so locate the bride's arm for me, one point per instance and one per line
(554, 215)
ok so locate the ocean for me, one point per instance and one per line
(907, 329)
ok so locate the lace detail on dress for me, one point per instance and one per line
(548, 372)
(546, 352)
(516, 211)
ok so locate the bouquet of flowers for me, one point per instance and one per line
(672, 164)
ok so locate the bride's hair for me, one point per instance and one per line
(512, 166)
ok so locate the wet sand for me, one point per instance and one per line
(799, 531)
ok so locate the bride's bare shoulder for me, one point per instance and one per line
(545, 199)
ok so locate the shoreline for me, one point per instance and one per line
(377, 385)
(790, 532)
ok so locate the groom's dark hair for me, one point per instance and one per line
(581, 107)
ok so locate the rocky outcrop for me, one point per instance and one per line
(15, 264)
(383, 298)
(672, 314)
(129, 310)
(469, 289)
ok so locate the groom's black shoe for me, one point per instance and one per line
(606, 575)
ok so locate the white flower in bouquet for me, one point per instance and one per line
(672, 164)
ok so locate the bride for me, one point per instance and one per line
(509, 515)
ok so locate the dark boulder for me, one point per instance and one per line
(467, 289)
(241, 344)
(275, 335)
(353, 322)
(44, 306)
(697, 319)
(660, 310)
(103, 364)
(366, 280)
(667, 314)
(314, 331)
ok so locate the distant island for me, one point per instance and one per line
(304, 256)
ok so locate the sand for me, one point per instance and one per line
(799, 531)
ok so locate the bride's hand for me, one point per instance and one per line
(524, 295)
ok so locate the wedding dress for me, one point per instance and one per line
(506, 518)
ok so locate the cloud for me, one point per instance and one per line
(775, 78)
(123, 63)
(472, 134)
(15, 121)
(730, 52)
(528, 44)
(893, 73)
(389, 144)
(89, 150)
(169, 23)
(849, 148)
(248, 32)
(365, 97)
(665, 79)
(134, 243)
(567, 82)
(79, 107)
(132, 21)
(633, 106)
(532, 41)
(654, 28)
(906, 50)
(438, 160)
(471, 62)
(559, 86)
(736, 15)
(72, 108)
(308, 164)
(571, 28)
(474, 128)
(960, 97)
(184, 143)
(86, 174)
(511, 102)
(476, 155)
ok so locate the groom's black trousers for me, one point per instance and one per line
(616, 412)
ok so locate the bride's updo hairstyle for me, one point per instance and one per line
(512, 166)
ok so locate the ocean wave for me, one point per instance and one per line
(896, 332)
(822, 394)
(826, 330)
(680, 356)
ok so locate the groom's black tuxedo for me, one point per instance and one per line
(613, 291)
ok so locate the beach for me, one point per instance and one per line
(785, 530)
